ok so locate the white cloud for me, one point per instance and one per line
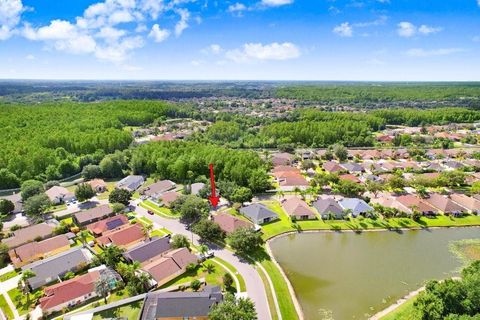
(237, 8)
(214, 49)
(424, 29)
(343, 30)
(418, 52)
(158, 34)
(182, 24)
(257, 51)
(10, 13)
(110, 33)
(377, 22)
(119, 51)
(276, 3)
(407, 29)
(30, 57)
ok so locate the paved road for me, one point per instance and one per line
(255, 288)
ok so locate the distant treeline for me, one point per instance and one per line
(383, 92)
(53, 141)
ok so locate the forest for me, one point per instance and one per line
(54, 141)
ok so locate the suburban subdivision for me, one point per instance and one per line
(270, 207)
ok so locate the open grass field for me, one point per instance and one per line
(405, 312)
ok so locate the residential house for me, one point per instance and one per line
(282, 158)
(413, 202)
(229, 223)
(92, 215)
(33, 251)
(77, 290)
(50, 269)
(36, 232)
(328, 207)
(444, 204)
(181, 305)
(156, 189)
(352, 167)
(356, 206)
(298, 209)
(131, 183)
(98, 185)
(332, 167)
(148, 250)
(390, 202)
(58, 195)
(469, 203)
(16, 199)
(258, 213)
(349, 177)
(196, 187)
(123, 237)
(170, 265)
(108, 224)
(168, 197)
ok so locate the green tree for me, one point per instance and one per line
(118, 207)
(6, 206)
(190, 207)
(30, 188)
(475, 188)
(110, 256)
(208, 230)
(180, 241)
(195, 285)
(37, 205)
(8, 180)
(84, 191)
(245, 240)
(83, 236)
(140, 284)
(91, 171)
(3, 253)
(120, 196)
(102, 287)
(23, 283)
(147, 229)
(340, 152)
(111, 168)
(349, 188)
(242, 194)
(233, 309)
(227, 280)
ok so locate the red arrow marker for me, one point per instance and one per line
(213, 198)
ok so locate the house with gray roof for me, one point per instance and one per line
(357, 206)
(181, 305)
(50, 269)
(16, 199)
(327, 207)
(258, 213)
(39, 231)
(92, 215)
(130, 183)
(196, 187)
(352, 167)
(148, 250)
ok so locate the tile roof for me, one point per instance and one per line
(93, 214)
(297, 207)
(107, 224)
(24, 235)
(229, 223)
(33, 249)
(443, 203)
(124, 236)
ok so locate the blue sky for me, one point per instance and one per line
(426, 40)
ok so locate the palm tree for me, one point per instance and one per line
(296, 190)
(142, 282)
(203, 249)
(27, 274)
(83, 236)
(147, 228)
(210, 268)
(102, 287)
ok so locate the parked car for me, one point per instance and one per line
(150, 212)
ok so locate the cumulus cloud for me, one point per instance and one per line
(343, 30)
(158, 34)
(214, 49)
(10, 13)
(407, 29)
(237, 8)
(105, 28)
(260, 52)
(418, 52)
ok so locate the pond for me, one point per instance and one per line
(345, 275)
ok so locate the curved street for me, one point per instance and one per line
(254, 284)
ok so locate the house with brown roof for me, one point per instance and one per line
(349, 177)
(413, 202)
(77, 290)
(156, 189)
(282, 158)
(444, 204)
(33, 251)
(170, 265)
(108, 224)
(92, 215)
(98, 185)
(332, 167)
(284, 169)
(298, 209)
(36, 232)
(168, 197)
(58, 195)
(123, 237)
(229, 223)
(469, 203)
(390, 202)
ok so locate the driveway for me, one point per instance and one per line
(254, 284)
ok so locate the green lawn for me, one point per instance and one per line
(405, 312)
(129, 311)
(161, 211)
(5, 308)
(8, 275)
(20, 300)
(145, 220)
(159, 232)
(243, 287)
(286, 225)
